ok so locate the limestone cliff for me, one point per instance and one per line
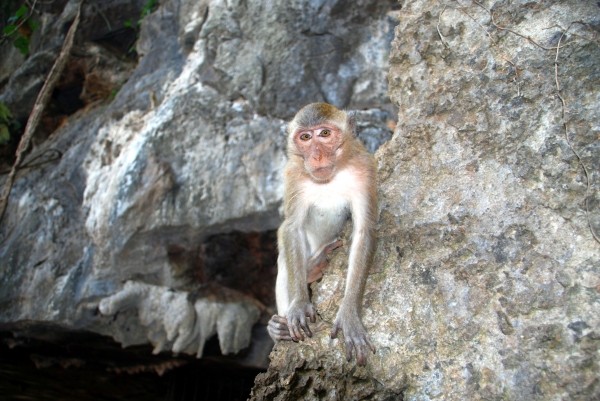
(486, 279)
(147, 206)
(146, 209)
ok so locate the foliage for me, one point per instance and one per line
(20, 27)
(7, 124)
(148, 8)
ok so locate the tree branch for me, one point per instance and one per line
(38, 108)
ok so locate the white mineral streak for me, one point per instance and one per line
(174, 323)
(192, 145)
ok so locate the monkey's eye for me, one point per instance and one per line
(325, 133)
(305, 137)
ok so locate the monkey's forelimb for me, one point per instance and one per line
(362, 250)
(278, 326)
(295, 252)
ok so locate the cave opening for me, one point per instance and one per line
(245, 262)
(87, 366)
(42, 361)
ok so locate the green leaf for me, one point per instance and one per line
(128, 23)
(22, 43)
(21, 11)
(10, 29)
(33, 25)
(4, 134)
(5, 114)
(148, 8)
(14, 125)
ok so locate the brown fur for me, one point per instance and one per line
(329, 175)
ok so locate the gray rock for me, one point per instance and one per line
(111, 237)
(485, 283)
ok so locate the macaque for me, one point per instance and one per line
(328, 177)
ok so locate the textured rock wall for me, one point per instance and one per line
(118, 231)
(486, 282)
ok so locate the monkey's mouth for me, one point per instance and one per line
(322, 173)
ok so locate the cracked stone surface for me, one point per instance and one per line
(116, 231)
(485, 284)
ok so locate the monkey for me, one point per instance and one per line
(329, 176)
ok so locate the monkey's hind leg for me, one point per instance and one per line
(278, 329)
(320, 262)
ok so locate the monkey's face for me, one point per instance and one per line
(319, 147)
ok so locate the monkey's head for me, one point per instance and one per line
(316, 134)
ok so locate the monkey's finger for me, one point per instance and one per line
(332, 247)
(311, 314)
(296, 333)
(370, 344)
(294, 329)
(278, 323)
(349, 346)
(361, 357)
(278, 326)
(278, 335)
(302, 327)
(284, 337)
(279, 319)
(334, 331)
(315, 274)
(305, 327)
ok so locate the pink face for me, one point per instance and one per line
(318, 146)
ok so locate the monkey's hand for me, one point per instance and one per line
(355, 335)
(278, 329)
(296, 316)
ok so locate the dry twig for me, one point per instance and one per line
(558, 47)
(478, 23)
(438, 27)
(564, 112)
(503, 28)
(38, 108)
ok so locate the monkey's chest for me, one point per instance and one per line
(325, 219)
(328, 207)
(333, 195)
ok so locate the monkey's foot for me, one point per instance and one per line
(332, 247)
(355, 336)
(317, 272)
(278, 329)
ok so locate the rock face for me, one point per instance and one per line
(150, 217)
(486, 281)
(123, 228)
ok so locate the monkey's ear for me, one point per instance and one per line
(288, 128)
(351, 122)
